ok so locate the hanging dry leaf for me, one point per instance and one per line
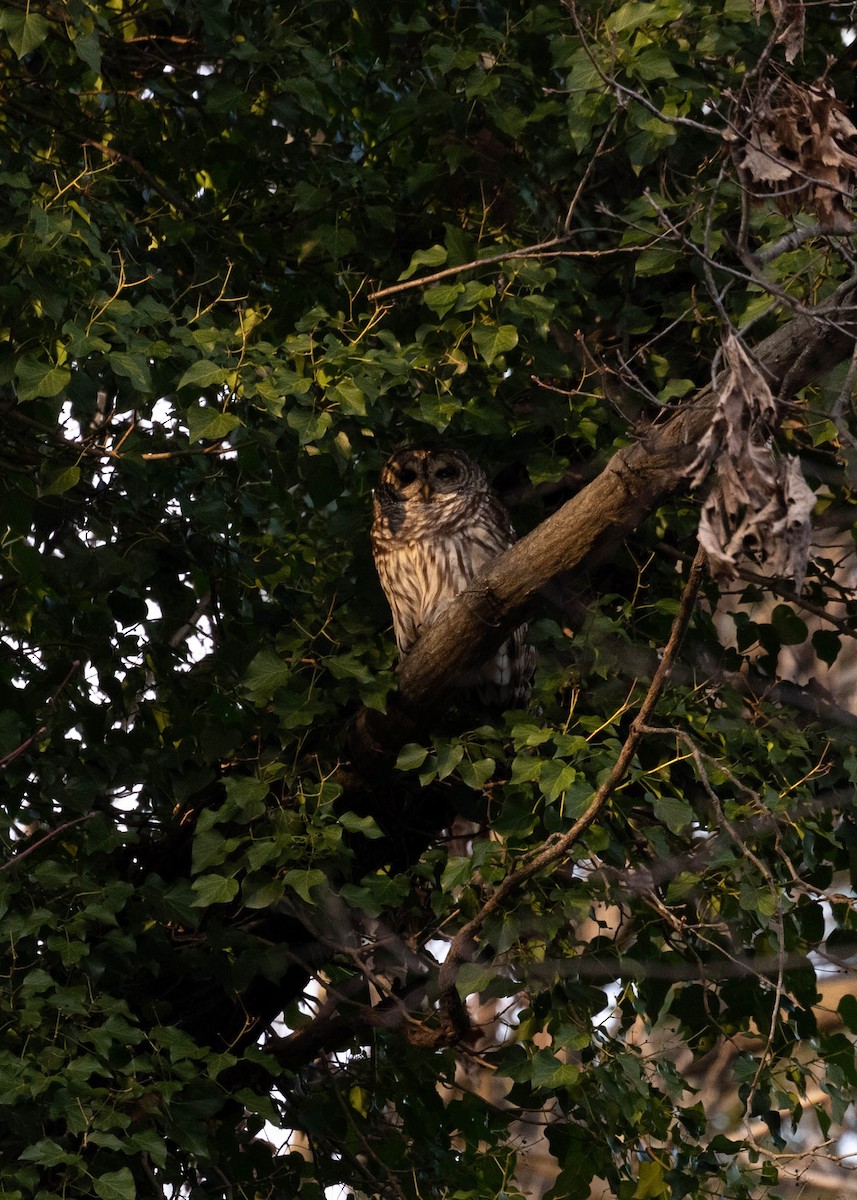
(759, 505)
(760, 158)
(789, 21)
(801, 149)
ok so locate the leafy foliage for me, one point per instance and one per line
(248, 250)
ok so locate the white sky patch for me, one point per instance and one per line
(608, 1012)
(847, 1147)
(96, 696)
(70, 427)
(128, 799)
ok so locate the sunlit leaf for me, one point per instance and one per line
(206, 423)
(25, 30)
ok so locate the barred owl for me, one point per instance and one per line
(437, 524)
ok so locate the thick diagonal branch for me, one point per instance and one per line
(632, 484)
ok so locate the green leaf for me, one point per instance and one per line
(261, 892)
(475, 774)
(441, 299)
(87, 46)
(246, 796)
(25, 30)
(584, 74)
(826, 645)
(721, 1144)
(116, 1185)
(310, 426)
(554, 777)
(304, 881)
(350, 398)
(209, 423)
(214, 889)
(202, 374)
(364, 825)
(550, 1072)
(473, 293)
(210, 849)
(265, 675)
(788, 626)
(40, 379)
(675, 813)
(133, 367)
(493, 340)
(448, 758)
(456, 873)
(47, 1153)
(526, 768)
(56, 482)
(434, 256)
(629, 16)
(654, 64)
(656, 261)
(411, 757)
(675, 389)
(650, 1182)
(847, 1009)
(474, 977)
(11, 731)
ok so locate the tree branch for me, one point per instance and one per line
(585, 530)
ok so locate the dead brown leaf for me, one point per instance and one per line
(759, 505)
(800, 148)
(789, 22)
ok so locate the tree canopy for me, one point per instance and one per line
(279, 917)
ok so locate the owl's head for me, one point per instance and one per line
(427, 475)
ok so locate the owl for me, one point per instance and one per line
(437, 524)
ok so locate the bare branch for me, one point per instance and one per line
(66, 825)
(553, 248)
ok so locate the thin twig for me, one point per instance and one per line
(551, 854)
(539, 250)
(779, 588)
(599, 150)
(369, 1155)
(13, 754)
(16, 858)
(795, 239)
(424, 280)
(844, 404)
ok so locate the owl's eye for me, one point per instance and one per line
(447, 473)
(407, 476)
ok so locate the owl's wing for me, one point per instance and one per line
(489, 534)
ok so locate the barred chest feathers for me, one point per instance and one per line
(437, 524)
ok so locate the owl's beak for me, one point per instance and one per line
(424, 491)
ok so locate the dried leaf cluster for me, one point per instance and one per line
(789, 21)
(759, 506)
(801, 149)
